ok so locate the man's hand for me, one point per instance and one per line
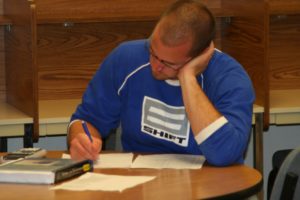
(198, 64)
(200, 110)
(81, 147)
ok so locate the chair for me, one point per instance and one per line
(286, 185)
(277, 160)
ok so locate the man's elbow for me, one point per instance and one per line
(223, 161)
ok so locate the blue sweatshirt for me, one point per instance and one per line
(152, 113)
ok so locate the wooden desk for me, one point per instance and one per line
(284, 107)
(235, 182)
(13, 123)
(54, 115)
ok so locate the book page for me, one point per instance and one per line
(171, 161)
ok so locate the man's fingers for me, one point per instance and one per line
(82, 148)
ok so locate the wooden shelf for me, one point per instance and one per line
(54, 115)
(257, 109)
(12, 120)
(4, 20)
(283, 7)
(11, 115)
(79, 11)
(285, 106)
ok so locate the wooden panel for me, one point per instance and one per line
(284, 6)
(52, 11)
(18, 48)
(4, 20)
(20, 52)
(69, 56)
(285, 52)
(2, 65)
(1, 7)
(218, 37)
(245, 38)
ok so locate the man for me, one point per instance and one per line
(172, 93)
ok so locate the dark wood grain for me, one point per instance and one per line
(284, 52)
(4, 20)
(20, 58)
(107, 11)
(284, 7)
(245, 38)
(68, 57)
(2, 66)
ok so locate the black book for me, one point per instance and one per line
(43, 170)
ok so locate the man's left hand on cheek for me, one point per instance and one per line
(198, 64)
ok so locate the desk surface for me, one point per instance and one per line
(284, 107)
(55, 115)
(233, 182)
(12, 120)
(11, 115)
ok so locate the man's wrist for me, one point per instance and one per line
(69, 132)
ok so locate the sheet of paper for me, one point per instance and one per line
(111, 160)
(96, 181)
(172, 161)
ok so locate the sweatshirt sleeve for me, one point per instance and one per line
(233, 95)
(100, 103)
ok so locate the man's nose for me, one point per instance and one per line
(157, 63)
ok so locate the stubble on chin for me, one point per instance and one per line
(157, 76)
(161, 76)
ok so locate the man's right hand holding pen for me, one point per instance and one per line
(84, 141)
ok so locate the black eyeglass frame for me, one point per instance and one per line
(175, 67)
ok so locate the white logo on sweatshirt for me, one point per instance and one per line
(165, 122)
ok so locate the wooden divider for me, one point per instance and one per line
(284, 61)
(20, 58)
(59, 44)
(75, 36)
(68, 57)
(2, 65)
(284, 52)
(284, 6)
(56, 11)
(245, 37)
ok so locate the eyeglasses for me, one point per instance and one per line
(166, 63)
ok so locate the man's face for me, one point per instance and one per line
(165, 60)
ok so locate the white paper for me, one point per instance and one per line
(172, 161)
(111, 160)
(157, 161)
(97, 181)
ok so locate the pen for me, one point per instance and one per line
(86, 130)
